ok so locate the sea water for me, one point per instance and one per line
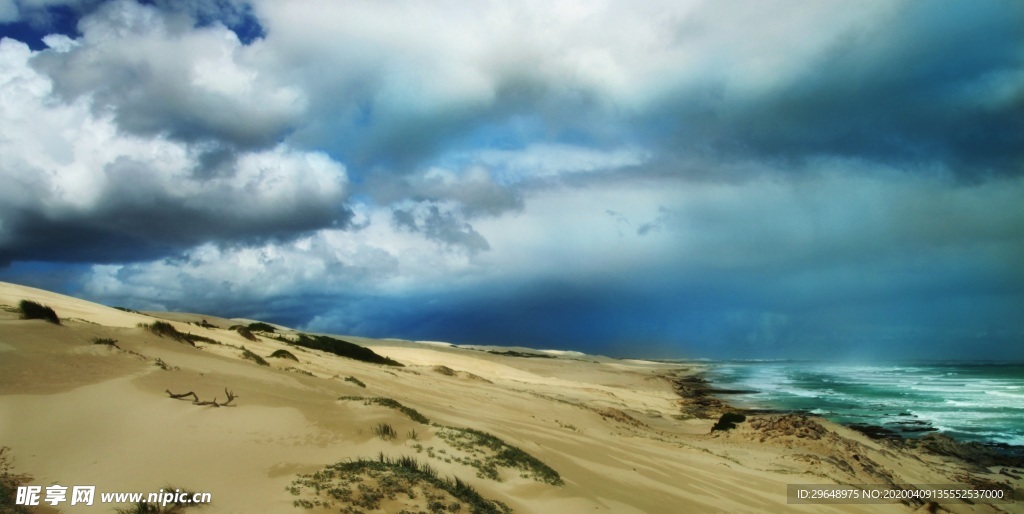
(971, 402)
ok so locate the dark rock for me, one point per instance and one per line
(728, 421)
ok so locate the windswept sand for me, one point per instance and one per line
(75, 413)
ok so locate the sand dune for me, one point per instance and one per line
(615, 432)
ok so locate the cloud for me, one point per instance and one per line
(835, 260)
(474, 190)
(914, 85)
(79, 190)
(161, 76)
(733, 177)
(394, 89)
(438, 222)
(540, 161)
(896, 83)
(377, 258)
(8, 11)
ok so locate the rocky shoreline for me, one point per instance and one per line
(701, 399)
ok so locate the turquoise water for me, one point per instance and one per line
(971, 402)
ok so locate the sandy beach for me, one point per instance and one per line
(563, 432)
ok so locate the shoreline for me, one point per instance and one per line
(700, 398)
(708, 404)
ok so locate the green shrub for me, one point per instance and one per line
(284, 354)
(355, 381)
(259, 326)
(33, 310)
(728, 421)
(246, 354)
(344, 349)
(104, 340)
(165, 329)
(245, 332)
(126, 309)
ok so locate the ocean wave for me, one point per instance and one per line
(973, 402)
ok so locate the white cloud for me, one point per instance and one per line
(67, 167)
(160, 76)
(379, 259)
(60, 43)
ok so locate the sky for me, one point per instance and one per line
(647, 178)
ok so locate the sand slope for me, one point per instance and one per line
(75, 413)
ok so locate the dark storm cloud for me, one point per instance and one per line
(716, 316)
(926, 85)
(918, 85)
(732, 180)
(138, 218)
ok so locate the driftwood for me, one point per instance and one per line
(196, 401)
(182, 395)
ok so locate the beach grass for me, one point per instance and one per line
(252, 356)
(445, 370)
(9, 483)
(391, 404)
(369, 483)
(33, 310)
(487, 453)
(165, 329)
(385, 431)
(245, 332)
(356, 381)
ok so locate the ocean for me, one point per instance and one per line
(981, 402)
